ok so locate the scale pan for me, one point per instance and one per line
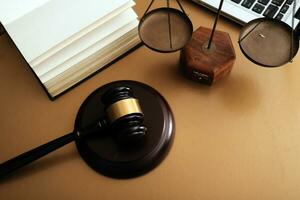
(268, 42)
(165, 29)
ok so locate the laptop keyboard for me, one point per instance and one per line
(268, 8)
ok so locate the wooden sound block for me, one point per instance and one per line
(207, 65)
(103, 154)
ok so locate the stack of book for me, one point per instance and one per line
(65, 41)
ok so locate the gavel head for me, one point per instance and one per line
(124, 115)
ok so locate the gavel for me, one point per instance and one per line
(123, 116)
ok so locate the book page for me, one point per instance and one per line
(48, 25)
(88, 52)
(79, 34)
(90, 65)
(10, 10)
(83, 43)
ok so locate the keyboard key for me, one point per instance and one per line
(284, 8)
(279, 16)
(265, 2)
(289, 2)
(270, 11)
(248, 3)
(278, 2)
(236, 1)
(258, 8)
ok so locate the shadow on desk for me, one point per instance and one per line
(238, 92)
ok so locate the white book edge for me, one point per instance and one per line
(100, 58)
(95, 62)
(68, 82)
(85, 42)
(86, 53)
(43, 28)
(79, 34)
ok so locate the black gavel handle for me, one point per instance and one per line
(34, 154)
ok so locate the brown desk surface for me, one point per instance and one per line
(239, 139)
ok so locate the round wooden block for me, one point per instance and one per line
(103, 154)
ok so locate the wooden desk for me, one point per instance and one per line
(239, 139)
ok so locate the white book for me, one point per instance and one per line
(88, 52)
(44, 27)
(81, 33)
(65, 41)
(75, 48)
(91, 65)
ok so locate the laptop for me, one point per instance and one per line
(243, 11)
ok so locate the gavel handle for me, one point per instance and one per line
(34, 154)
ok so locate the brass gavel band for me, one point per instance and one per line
(122, 108)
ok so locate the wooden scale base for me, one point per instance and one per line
(207, 65)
